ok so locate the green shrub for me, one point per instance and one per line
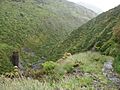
(49, 66)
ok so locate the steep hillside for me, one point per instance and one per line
(35, 26)
(101, 34)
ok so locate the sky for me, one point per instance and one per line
(101, 4)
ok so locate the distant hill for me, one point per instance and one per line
(92, 7)
(33, 27)
(99, 34)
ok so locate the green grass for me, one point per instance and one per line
(70, 83)
(91, 62)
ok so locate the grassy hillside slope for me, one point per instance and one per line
(99, 34)
(35, 26)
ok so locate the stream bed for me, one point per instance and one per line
(110, 74)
